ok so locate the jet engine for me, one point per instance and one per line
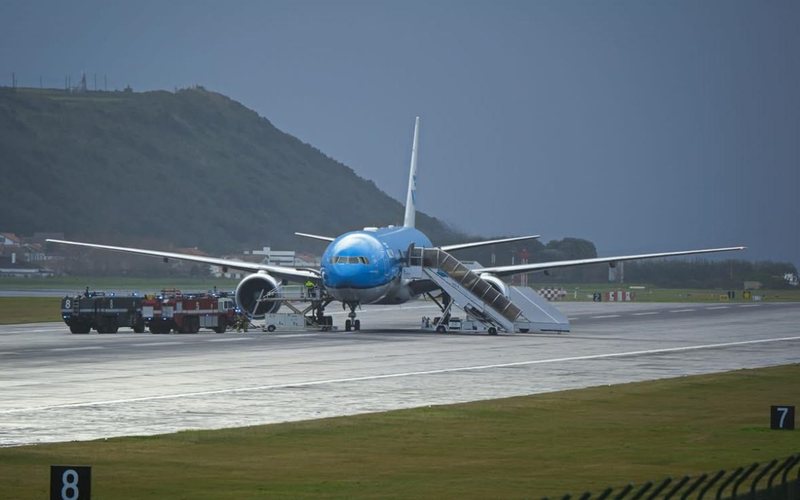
(254, 287)
(496, 283)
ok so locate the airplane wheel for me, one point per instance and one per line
(357, 324)
(347, 325)
(492, 330)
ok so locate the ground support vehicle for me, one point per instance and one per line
(296, 322)
(187, 312)
(455, 324)
(105, 313)
(307, 310)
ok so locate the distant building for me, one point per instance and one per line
(286, 258)
(11, 267)
(9, 240)
(752, 285)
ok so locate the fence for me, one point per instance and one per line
(776, 480)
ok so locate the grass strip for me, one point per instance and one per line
(15, 310)
(532, 446)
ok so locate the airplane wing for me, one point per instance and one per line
(543, 266)
(315, 237)
(282, 272)
(460, 246)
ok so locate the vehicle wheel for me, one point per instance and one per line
(441, 329)
(271, 328)
(347, 325)
(106, 325)
(222, 326)
(492, 330)
(79, 328)
(524, 330)
(195, 323)
(138, 327)
(357, 325)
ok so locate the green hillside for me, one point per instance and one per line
(190, 168)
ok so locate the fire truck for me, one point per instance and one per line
(188, 313)
(103, 312)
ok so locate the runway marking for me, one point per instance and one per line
(148, 344)
(749, 305)
(606, 316)
(646, 313)
(312, 383)
(681, 310)
(292, 335)
(235, 339)
(87, 348)
(717, 308)
(34, 331)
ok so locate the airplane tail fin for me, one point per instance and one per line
(411, 209)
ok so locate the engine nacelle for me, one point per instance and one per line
(496, 283)
(252, 288)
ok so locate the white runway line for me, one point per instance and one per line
(235, 339)
(681, 310)
(293, 335)
(87, 348)
(149, 344)
(605, 316)
(717, 308)
(668, 350)
(749, 305)
(646, 313)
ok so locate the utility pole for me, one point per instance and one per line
(13, 80)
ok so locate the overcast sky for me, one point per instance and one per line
(640, 125)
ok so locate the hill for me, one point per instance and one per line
(184, 169)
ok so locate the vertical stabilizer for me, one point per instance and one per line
(411, 197)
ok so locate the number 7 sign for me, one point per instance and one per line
(782, 417)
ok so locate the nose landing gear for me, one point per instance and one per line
(352, 323)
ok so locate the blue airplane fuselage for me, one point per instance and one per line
(365, 267)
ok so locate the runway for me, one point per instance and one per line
(55, 386)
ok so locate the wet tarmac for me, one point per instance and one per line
(55, 386)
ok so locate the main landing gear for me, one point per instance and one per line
(352, 323)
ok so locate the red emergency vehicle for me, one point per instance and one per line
(188, 313)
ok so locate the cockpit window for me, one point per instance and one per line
(341, 259)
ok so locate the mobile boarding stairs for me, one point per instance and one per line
(523, 310)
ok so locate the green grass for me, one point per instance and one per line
(15, 310)
(533, 446)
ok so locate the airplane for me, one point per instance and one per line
(365, 266)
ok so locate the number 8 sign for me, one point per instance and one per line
(69, 482)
